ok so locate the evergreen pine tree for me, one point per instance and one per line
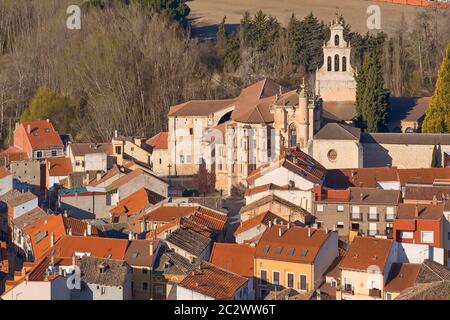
(437, 119)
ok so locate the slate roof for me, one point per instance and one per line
(114, 271)
(189, 240)
(171, 263)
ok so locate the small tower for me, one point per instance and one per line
(303, 116)
(335, 80)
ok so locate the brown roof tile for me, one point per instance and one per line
(402, 276)
(407, 211)
(365, 252)
(237, 258)
(159, 141)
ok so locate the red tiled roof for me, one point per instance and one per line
(42, 134)
(422, 175)
(213, 281)
(365, 252)
(58, 167)
(237, 258)
(4, 172)
(167, 213)
(360, 177)
(199, 107)
(136, 202)
(402, 276)
(294, 243)
(81, 149)
(159, 141)
(106, 176)
(14, 154)
(408, 211)
(263, 218)
(263, 188)
(78, 227)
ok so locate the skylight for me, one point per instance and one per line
(278, 250)
(304, 252)
(291, 251)
(266, 248)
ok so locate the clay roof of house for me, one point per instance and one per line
(136, 202)
(272, 198)
(406, 138)
(4, 172)
(114, 272)
(422, 175)
(289, 98)
(254, 102)
(295, 161)
(199, 108)
(408, 211)
(237, 258)
(114, 171)
(360, 177)
(29, 218)
(78, 227)
(365, 253)
(374, 196)
(426, 193)
(408, 108)
(439, 290)
(172, 263)
(42, 134)
(338, 131)
(213, 281)
(159, 141)
(293, 245)
(82, 149)
(13, 154)
(431, 271)
(58, 167)
(402, 276)
(341, 110)
(40, 233)
(138, 252)
(130, 177)
(14, 197)
(169, 226)
(167, 213)
(189, 240)
(67, 246)
(263, 218)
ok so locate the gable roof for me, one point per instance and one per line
(340, 110)
(408, 211)
(58, 167)
(111, 248)
(188, 240)
(29, 218)
(263, 218)
(360, 177)
(199, 107)
(114, 272)
(138, 252)
(439, 290)
(82, 149)
(365, 252)
(263, 188)
(159, 141)
(42, 134)
(272, 198)
(426, 193)
(111, 173)
(402, 276)
(338, 131)
(14, 197)
(136, 202)
(291, 243)
(422, 175)
(374, 196)
(295, 161)
(213, 281)
(237, 258)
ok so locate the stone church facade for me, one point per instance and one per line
(233, 137)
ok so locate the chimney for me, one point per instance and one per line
(65, 213)
(17, 125)
(289, 225)
(280, 232)
(130, 235)
(70, 231)
(151, 248)
(309, 232)
(115, 133)
(434, 200)
(361, 196)
(52, 238)
(29, 129)
(334, 227)
(99, 175)
(270, 224)
(48, 120)
(84, 233)
(89, 229)
(416, 211)
(274, 221)
(326, 230)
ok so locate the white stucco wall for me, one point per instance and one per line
(6, 184)
(349, 153)
(25, 207)
(281, 176)
(96, 161)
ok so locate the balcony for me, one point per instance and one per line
(356, 216)
(373, 217)
(375, 293)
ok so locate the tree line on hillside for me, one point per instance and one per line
(133, 59)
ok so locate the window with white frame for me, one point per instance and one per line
(340, 208)
(319, 208)
(373, 210)
(340, 225)
(406, 234)
(427, 236)
(355, 209)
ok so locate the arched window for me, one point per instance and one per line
(292, 136)
(329, 64)
(336, 40)
(344, 64)
(336, 62)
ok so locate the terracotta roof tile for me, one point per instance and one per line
(214, 282)
(138, 252)
(136, 202)
(237, 258)
(14, 197)
(360, 177)
(402, 276)
(407, 211)
(58, 167)
(159, 141)
(426, 193)
(263, 218)
(293, 244)
(365, 252)
(42, 134)
(199, 107)
(82, 149)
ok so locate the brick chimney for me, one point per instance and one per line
(280, 232)
(29, 129)
(151, 248)
(416, 211)
(434, 200)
